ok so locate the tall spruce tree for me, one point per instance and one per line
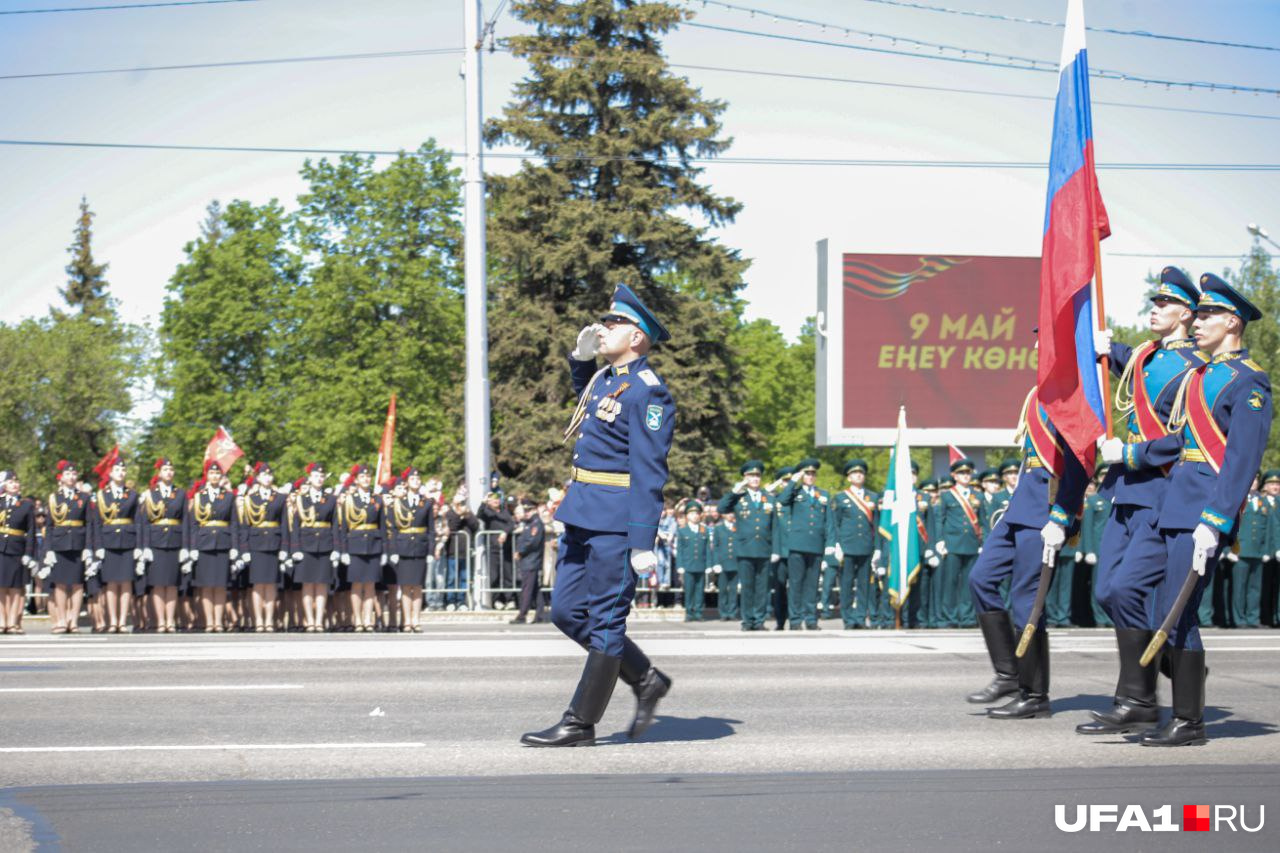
(86, 288)
(607, 200)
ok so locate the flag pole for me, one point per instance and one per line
(1102, 325)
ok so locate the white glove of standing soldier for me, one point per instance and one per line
(334, 557)
(140, 569)
(774, 558)
(346, 559)
(1102, 341)
(45, 572)
(297, 556)
(1054, 536)
(147, 556)
(395, 559)
(941, 548)
(1091, 559)
(1232, 557)
(137, 554)
(186, 568)
(588, 343)
(282, 556)
(1204, 539)
(838, 553)
(1112, 450)
(875, 558)
(50, 559)
(643, 563)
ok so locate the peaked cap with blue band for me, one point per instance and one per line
(1176, 285)
(629, 307)
(1219, 294)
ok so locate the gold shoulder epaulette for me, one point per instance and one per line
(1253, 364)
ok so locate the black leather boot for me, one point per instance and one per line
(997, 631)
(1033, 684)
(1186, 728)
(647, 682)
(578, 725)
(1135, 705)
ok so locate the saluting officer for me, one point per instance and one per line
(755, 513)
(624, 423)
(314, 534)
(810, 541)
(959, 539)
(161, 525)
(263, 542)
(113, 533)
(411, 523)
(1224, 413)
(856, 519)
(529, 539)
(17, 550)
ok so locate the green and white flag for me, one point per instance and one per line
(898, 520)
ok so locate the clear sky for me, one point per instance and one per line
(149, 203)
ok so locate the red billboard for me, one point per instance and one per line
(949, 337)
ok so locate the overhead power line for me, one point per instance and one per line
(118, 6)
(971, 56)
(675, 160)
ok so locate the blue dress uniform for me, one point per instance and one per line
(361, 543)
(162, 515)
(1224, 418)
(313, 533)
(958, 526)
(810, 541)
(1247, 565)
(624, 423)
(17, 540)
(262, 531)
(755, 514)
(113, 533)
(693, 558)
(1013, 550)
(66, 535)
(213, 532)
(856, 519)
(411, 532)
(722, 559)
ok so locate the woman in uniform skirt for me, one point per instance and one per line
(211, 521)
(262, 543)
(363, 546)
(315, 545)
(114, 533)
(17, 551)
(161, 518)
(66, 544)
(411, 527)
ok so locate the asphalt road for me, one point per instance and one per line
(780, 741)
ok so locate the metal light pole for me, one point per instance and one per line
(1261, 233)
(473, 223)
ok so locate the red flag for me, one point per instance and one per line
(223, 450)
(955, 454)
(387, 445)
(105, 464)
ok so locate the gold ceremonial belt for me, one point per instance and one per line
(75, 523)
(317, 524)
(413, 530)
(9, 531)
(216, 524)
(365, 527)
(267, 525)
(1193, 454)
(1034, 462)
(602, 478)
(118, 522)
(167, 522)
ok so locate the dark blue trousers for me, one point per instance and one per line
(594, 589)
(1179, 548)
(1131, 563)
(1013, 552)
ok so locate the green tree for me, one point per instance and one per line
(607, 201)
(86, 288)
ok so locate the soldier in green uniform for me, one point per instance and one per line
(754, 513)
(928, 590)
(1271, 568)
(778, 559)
(1246, 565)
(1097, 509)
(693, 548)
(810, 541)
(1057, 603)
(855, 514)
(726, 567)
(989, 483)
(959, 538)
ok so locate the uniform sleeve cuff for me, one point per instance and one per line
(1131, 456)
(1058, 515)
(1217, 520)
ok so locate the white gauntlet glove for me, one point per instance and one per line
(1112, 450)
(1053, 535)
(588, 343)
(875, 558)
(1232, 556)
(1205, 540)
(91, 571)
(186, 568)
(86, 556)
(643, 562)
(1091, 559)
(183, 555)
(382, 560)
(1102, 341)
(137, 554)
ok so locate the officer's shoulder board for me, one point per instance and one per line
(648, 377)
(1253, 365)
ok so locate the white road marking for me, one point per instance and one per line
(209, 747)
(151, 688)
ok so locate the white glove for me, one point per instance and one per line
(1079, 557)
(941, 548)
(28, 562)
(588, 343)
(739, 487)
(100, 553)
(838, 553)
(345, 559)
(934, 562)
(137, 553)
(186, 568)
(86, 556)
(234, 554)
(1205, 540)
(795, 478)
(643, 563)
(1232, 556)
(147, 556)
(45, 572)
(875, 558)
(286, 488)
(91, 570)
(193, 554)
(1102, 341)
(282, 556)
(383, 560)
(1266, 558)
(183, 555)
(881, 571)
(773, 558)
(140, 569)
(395, 559)
(241, 489)
(1091, 559)
(1112, 450)
(50, 559)
(715, 570)
(1053, 535)
(334, 557)
(297, 556)
(286, 567)
(680, 571)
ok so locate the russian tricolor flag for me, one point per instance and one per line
(1074, 220)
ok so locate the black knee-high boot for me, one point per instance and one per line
(1033, 684)
(578, 725)
(997, 631)
(1135, 704)
(1186, 727)
(648, 683)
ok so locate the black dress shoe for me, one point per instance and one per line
(995, 691)
(651, 688)
(1176, 732)
(814, 627)
(1121, 719)
(570, 731)
(1027, 706)
(578, 725)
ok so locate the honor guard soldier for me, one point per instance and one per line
(959, 539)
(856, 519)
(754, 513)
(213, 534)
(17, 551)
(693, 553)
(1223, 417)
(624, 423)
(1131, 553)
(411, 522)
(66, 545)
(314, 534)
(1033, 528)
(529, 538)
(113, 533)
(162, 524)
(781, 534)
(264, 542)
(362, 546)
(810, 541)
